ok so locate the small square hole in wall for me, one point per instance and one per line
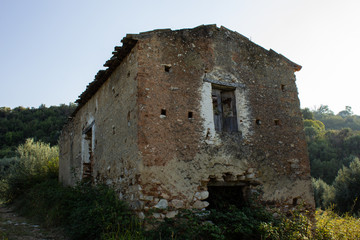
(282, 87)
(163, 113)
(167, 68)
(128, 119)
(190, 115)
(277, 122)
(258, 122)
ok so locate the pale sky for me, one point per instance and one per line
(51, 49)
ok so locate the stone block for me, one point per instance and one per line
(171, 214)
(177, 203)
(200, 204)
(141, 215)
(162, 204)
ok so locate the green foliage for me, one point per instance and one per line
(334, 152)
(43, 124)
(37, 162)
(3, 236)
(328, 226)
(5, 165)
(307, 113)
(186, 225)
(324, 193)
(344, 119)
(294, 227)
(229, 223)
(323, 110)
(331, 226)
(346, 113)
(347, 188)
(85, 211)
(313, 128)
(343, 193)
(329, 150)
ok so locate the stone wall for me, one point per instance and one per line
(181, 156)
(154, 134)
(112, 113)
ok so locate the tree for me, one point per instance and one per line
(347, 188)
(324, 110)
(346, 113)
(324, 194)
(307, 114)
(40, 123)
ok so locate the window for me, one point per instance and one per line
(88, 155)
(224, 108)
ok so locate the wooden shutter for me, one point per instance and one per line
(217, 109)
(229, 111)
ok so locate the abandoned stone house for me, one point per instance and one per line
(181, 117)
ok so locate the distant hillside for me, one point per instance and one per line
(43, 123)
(333, 140)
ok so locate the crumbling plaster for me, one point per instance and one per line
(113, 113)
(147, 147)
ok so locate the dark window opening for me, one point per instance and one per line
(163, 112)
(167, 68)
(88, 160)
(224, 108)
(258, 122)
(128, 74)
(222, 197)
(295, 201)
(283, 87)
(190, 114)
(277, 122)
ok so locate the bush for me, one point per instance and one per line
(329, 225)
(5, 165)
(37, 162)
(324, 194)
(347, 188)
(294, 227)
(85, 211)
(186, 225)
(229, 223)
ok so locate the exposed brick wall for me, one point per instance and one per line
(162, 158)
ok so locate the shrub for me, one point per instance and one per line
(324, 194)
(187, 224)
(37, 162)
(5, 165)
(84, 211)
(228, 223)
(329, 225)
(347, 188)
(294, 227)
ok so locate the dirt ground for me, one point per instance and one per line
(16, 227)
